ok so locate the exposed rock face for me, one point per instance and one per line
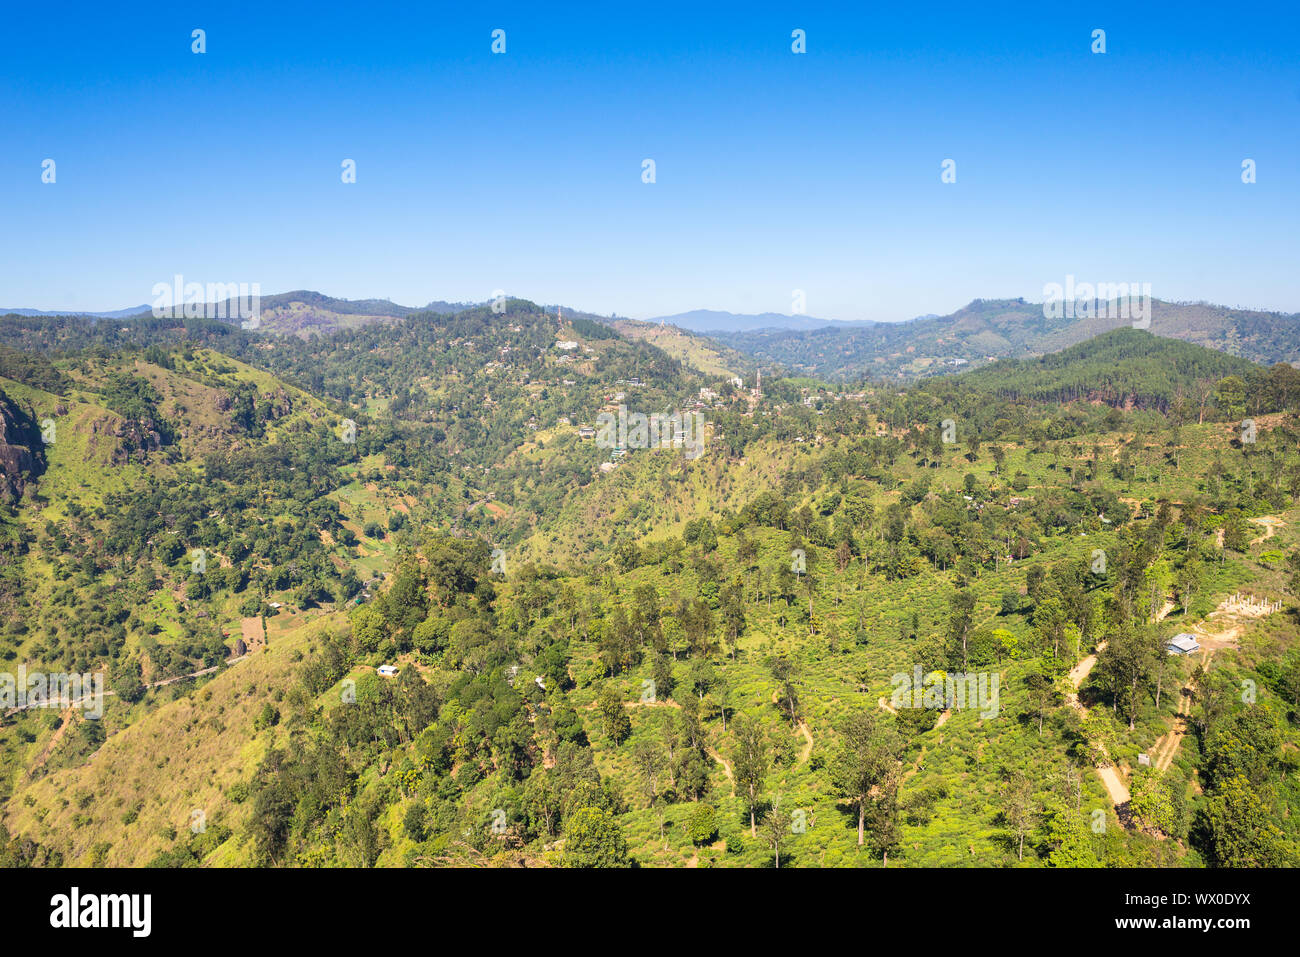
(21, 452)
(134, 436)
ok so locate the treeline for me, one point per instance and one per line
(1132, 368)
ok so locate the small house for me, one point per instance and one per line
(388, 671)
(1183, 643)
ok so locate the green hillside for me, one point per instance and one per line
(613, 656)
(1124, 367)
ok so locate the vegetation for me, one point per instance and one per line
(749, 658)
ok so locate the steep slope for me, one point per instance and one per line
(1125, 367)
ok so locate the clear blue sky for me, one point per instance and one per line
(775, 171)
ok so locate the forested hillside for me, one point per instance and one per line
(1128, 367)
(612, 653)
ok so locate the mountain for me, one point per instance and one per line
(115, 314)
(989, 329)
(443, 307)
(981, 332)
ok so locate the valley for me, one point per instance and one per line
(367, 596)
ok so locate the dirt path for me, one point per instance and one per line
(154, 684)
(1109, 774)
(1166, 747)
(1107, 771)
(1114, 786)
(807, 751)
(1270, 523)
(803, 729)
(55, 738)
(726, 767)
(916, 765)
(1084, 668)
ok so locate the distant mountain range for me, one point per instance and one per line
(979, 333)
(279, 301)
(115, 314)
(991, 329)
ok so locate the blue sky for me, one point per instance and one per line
(775, 171)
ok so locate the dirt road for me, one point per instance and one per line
(1270, 524)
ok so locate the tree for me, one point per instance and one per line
(649, 760)
(721, 695)
(999, 456)
(696, 619)
(1230, 395)
(1049, 624)
(1236, 827)
(1068, 838)
(544, 801)
(776, 828)
(783, 670)
(867, 753)
(732, 599)
(1189, 580)
(360, 841)
(703, 824)
(960, 621)
(700, 677)
(1044, 693)
(617, 724)
(1019, 810)
(882, 819)
(1154, 802)
(749, 760)
(1127, 662)
(594, 839)
(1034, 581)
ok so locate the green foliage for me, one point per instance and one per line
(594, 839)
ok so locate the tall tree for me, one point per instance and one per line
(749, 760)
(867, 752)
